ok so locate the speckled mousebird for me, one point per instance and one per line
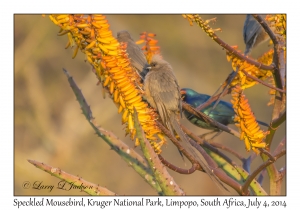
(135, 54)
(163, 93)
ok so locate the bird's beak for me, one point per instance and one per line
(182, 92)
(148, 67)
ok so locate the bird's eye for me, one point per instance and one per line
(153, 64)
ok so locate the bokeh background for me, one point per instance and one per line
(50, 128)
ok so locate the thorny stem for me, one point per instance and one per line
(263, 151)
(231, 49)
(271, 169)
(273, 127)
(259, 169)
(162, 177)
(279, 65)
(280, 146)
(228, 149)
(243, 57)
(93, 188)
(178, 145)
(276, 123)
(219, 173)
(130, 156)
(177, 169)
(262, 82)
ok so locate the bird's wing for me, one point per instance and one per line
(164, 91)
(222, 109)
(164, 88)
(136, 55)
(251, 26)
(179, 99)
(163, 113)
(222, 113)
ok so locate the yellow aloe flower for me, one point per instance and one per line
(91, 35)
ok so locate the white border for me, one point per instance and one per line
(154, 6)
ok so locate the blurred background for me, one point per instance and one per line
(50, 128)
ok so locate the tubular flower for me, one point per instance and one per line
(279, 22)
(241, 65)
(203, 24)
(91, 34)
(272, 92)
(267, 58)
(150, 47)
(245, 120)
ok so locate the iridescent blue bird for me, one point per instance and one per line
(222, 113)
(253, 33)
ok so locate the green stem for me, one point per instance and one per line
(130, 156)
(88, 187)
(163, 178)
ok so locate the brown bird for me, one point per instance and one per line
(135, 54)
(163, 93)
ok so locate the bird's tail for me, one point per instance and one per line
(263, 123)
(175, 125)
(186, 144)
